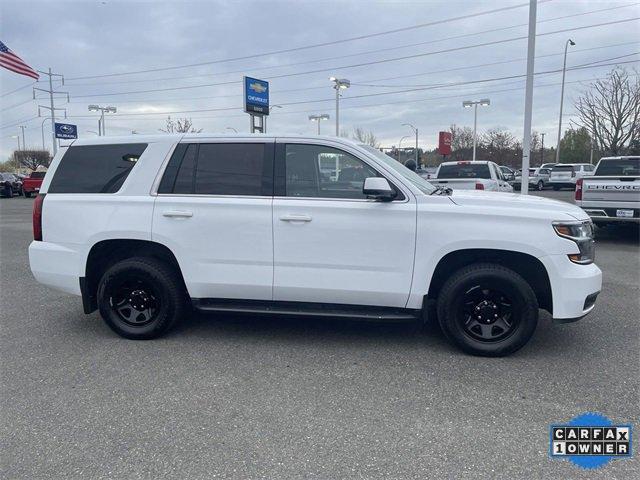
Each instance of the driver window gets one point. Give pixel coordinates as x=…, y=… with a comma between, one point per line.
x=324, y=172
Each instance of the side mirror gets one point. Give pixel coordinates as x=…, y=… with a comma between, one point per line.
x=379, y=189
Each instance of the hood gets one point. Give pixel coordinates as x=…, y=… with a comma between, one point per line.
x=517, y=201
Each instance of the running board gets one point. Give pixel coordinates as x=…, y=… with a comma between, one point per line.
x=307, y=309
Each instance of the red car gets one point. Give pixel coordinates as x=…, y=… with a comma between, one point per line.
x=32, y=183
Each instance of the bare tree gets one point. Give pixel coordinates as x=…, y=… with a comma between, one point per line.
x=368, y=138
x=501, y=146
x=31, y=159
x=182, y=125
x=610, y=111
x=461, y=141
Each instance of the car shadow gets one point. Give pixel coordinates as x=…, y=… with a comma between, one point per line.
x=619, y=234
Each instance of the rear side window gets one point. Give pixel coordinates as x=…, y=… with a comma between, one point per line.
x=220, y=169
x=95, y=168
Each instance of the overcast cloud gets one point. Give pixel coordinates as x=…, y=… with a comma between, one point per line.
x=85, y=38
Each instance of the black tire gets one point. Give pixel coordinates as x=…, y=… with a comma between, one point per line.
x=540, y=186
x=484, y=289
x=141, y=298
x=26, y=194
x=10, y=192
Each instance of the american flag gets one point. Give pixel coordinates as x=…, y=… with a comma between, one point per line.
x=11, y=61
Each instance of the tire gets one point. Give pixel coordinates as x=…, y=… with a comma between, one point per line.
x=141, y=298
x=540, y=185
x=26, y=194
x=483, y=289
x=10, y=192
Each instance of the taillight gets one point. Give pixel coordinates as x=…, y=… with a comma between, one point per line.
x=579, y=189
x=37, y=218
x=479, y=186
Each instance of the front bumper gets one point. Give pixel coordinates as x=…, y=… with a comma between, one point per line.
x=574, y=287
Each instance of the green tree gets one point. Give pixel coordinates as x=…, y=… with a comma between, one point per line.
x=575, y=146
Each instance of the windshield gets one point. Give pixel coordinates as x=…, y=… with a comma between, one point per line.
x=619, y=167
x=464, y=170
x=419, y=182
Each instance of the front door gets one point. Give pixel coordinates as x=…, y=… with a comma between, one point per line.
x=331, y=244
x=213, y=210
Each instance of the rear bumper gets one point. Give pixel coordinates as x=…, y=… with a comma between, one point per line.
x=56, y=266
x=574, y=287
x=561, y=184
x=606, y=215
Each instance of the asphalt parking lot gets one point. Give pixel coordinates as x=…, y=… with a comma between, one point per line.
x=241, y=397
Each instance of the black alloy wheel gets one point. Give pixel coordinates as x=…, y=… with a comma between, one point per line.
x=487, y=309
x=141, y=298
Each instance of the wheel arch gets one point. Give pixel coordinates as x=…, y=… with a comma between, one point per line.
x=526, y=265
x=105, y=253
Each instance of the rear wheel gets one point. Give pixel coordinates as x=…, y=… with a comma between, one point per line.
x=540, y=185
x=487, y=309
x=141, y=298
x=26, y=194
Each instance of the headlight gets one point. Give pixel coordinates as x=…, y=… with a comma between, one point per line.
x=582, y=234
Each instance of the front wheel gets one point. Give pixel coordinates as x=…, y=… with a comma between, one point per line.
x=487, y=309
x=141, y=298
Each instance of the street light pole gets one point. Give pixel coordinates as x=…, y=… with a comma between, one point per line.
x=484, y=102
x=264, y=119
x=542, y=150
x=318, y=118
x=102, y=110
x=24, y=143
x=42, y=130
x=339, y=84
x=564, y=70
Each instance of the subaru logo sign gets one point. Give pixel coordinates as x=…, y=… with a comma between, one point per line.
x=66, y=131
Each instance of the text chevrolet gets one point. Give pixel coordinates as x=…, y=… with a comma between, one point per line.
x=145, y=228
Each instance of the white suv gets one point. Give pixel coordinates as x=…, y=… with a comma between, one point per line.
x=143, y=228
x=566, y=175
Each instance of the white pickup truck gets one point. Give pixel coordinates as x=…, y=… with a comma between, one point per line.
x=471, y=175
x=612, y=194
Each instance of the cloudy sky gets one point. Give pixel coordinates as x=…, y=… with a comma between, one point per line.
x=416, y=75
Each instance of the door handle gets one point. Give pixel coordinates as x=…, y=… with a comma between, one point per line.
x=177, y=213
x=295, y=218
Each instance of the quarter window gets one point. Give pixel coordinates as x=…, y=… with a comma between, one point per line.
x=95, y=168
x=324, y=172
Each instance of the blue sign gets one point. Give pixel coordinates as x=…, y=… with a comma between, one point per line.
x=256, y=96
x=66, y=131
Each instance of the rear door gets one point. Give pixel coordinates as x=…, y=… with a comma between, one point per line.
x=213, y=210
x=331, y=244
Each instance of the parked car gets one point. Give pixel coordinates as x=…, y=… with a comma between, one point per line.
x=32, y=183
x=10, y=185
x=144, y=228
x=471, y=175
x=538, y=178
x=565, y=175
x=508, y=173
x=612, y=194
x=549, y=165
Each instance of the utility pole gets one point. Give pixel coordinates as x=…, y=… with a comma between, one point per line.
x=52, y=108
x=22, y=127
x=542, y=149
x=415, y=130
x=528, y=102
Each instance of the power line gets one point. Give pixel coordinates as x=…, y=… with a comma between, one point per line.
x=470, y=82
x=17, y=89
x=375, y=62
x=323, y=44
x=442, y=39
x=431, y=72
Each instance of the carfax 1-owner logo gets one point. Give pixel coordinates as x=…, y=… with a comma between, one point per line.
x=590, y=440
